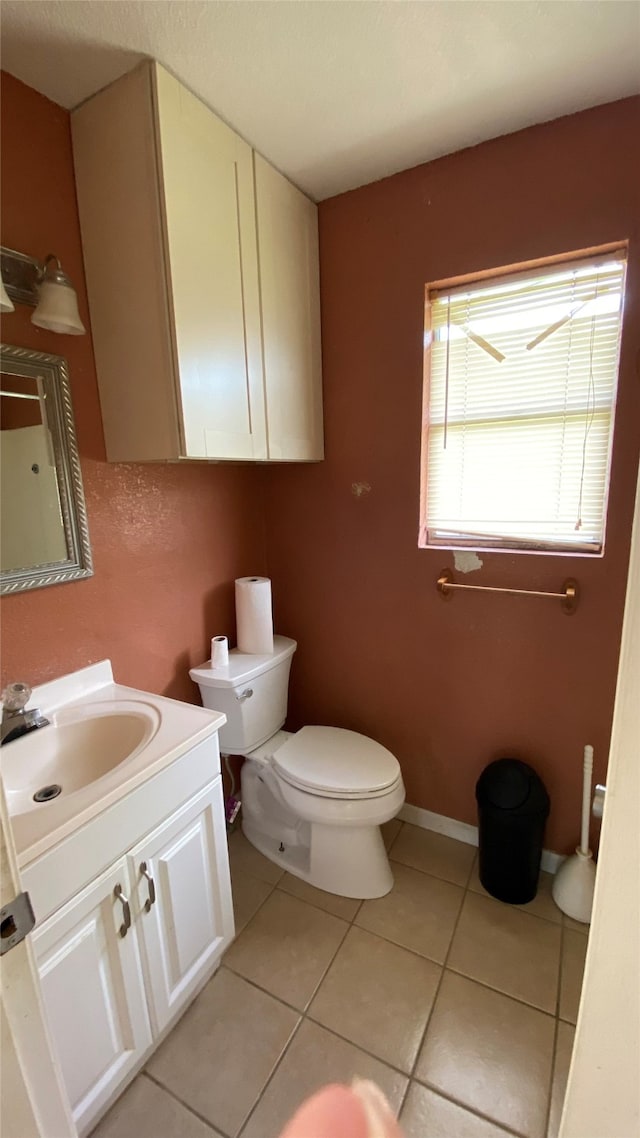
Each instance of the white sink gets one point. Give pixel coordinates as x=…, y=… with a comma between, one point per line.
x=102, y=741
x=79, y=746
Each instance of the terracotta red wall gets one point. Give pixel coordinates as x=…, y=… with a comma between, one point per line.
x=449, y=686
x=167, y=540
x=446, y=686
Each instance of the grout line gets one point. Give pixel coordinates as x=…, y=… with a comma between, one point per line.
x=394, y=839
x=408, y=1075
x=347, y=924
x=316, y=905
x=343, y=1039
x=305, y=1015
x=302, y=901
x=255, y=912
x=358, y=1047
x=276, y=1068
x=201, y=1117
x=514, y=908
x=583, y=930
x=438, y=987
x=476, y=892
x=425, y=873
x=321, y=980
x=466, y=887
x=445, y=969
x=362, y=929
x=554, y=1050
x=422, y=956
x=499, y=992
x=406, y=948
x=470, y=873
x=470, y=1109
x=259, y=987
x=560, y=969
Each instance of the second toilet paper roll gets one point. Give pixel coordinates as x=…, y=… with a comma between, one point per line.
x=254, y=622
x=219, y=652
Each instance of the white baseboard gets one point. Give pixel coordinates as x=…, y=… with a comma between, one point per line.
x=551, y=861
x=462, y=831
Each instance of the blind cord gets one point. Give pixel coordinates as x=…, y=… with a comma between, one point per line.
x=567, y=377
x=589, y=414
x=446, y=375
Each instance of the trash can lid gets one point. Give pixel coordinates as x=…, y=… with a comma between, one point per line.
x=507, y=784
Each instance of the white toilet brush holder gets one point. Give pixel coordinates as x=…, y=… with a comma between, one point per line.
x=574, y=883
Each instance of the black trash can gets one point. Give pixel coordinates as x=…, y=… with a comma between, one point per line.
x=513, y=806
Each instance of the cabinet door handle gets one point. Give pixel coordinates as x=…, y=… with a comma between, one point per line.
x=126, y=910
x=152, y=888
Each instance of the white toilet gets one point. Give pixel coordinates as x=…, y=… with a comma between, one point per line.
x=313, y=802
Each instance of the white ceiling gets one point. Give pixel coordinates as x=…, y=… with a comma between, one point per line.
x=337, y=93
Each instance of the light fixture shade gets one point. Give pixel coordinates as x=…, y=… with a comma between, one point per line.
x=6, y=303
x=57, y=309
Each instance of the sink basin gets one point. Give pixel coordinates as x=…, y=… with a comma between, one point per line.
x=103, y=741
x=79, y=747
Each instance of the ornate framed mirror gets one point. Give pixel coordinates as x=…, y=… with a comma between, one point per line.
x=44, y=537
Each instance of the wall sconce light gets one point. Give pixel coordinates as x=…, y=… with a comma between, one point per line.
x=46, y=287
x=6, y=303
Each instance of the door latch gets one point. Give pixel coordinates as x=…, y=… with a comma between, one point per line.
x=16, y=921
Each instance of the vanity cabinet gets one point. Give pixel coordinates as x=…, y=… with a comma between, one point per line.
x=94, y=993
x=120, y=959
x=203, y=281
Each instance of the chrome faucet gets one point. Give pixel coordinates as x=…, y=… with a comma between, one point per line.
x=15, y=720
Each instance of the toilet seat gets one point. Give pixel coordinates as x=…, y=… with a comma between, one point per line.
x=335, y=763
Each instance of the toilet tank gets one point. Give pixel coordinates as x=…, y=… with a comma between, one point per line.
x=252, y=692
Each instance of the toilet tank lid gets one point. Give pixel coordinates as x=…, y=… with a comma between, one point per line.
x=243, y=666
x=332, y=759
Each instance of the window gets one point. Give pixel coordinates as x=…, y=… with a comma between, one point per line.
x=520, y=384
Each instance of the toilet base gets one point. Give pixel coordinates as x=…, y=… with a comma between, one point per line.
x=346, y=859
x=349, y=863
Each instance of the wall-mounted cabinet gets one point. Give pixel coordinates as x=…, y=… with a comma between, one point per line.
x=203, y=281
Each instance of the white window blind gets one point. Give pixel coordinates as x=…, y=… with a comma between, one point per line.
x=521, y=376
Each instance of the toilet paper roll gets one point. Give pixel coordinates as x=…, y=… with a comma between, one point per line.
x=219, y=652
x=254, y=622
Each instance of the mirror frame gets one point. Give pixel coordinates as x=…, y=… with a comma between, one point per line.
x=53, y=373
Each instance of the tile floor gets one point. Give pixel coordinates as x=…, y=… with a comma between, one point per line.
x=460, y=1008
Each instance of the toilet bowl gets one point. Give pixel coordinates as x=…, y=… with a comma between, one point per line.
x=312, y=801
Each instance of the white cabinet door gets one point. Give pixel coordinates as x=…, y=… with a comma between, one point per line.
x=290, y=305
x=207, y=177
x=93, y=991
x=183, y=902
x=202, y=275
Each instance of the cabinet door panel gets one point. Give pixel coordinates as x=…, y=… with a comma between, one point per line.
x=290, y=304
x=210, y=225
x=93, y=992
x=191, y=921
x=116, y=168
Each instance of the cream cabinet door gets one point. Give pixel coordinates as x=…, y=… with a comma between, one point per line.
x=183, y=901
x=93, y=991
x=213, y=277
x=290, y=305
